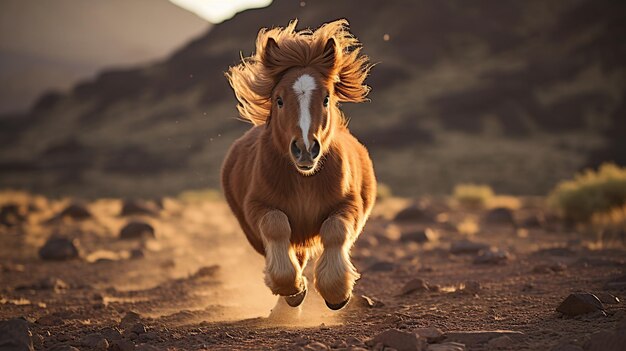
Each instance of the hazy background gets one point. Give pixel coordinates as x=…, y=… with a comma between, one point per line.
x=128, y=98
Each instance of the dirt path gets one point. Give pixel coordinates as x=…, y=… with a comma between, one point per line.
x=198, y=284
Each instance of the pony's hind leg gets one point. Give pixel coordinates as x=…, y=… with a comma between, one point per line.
x=283, y=273
x=334, y=273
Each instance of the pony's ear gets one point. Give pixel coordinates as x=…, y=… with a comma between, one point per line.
x=329, y=58
x=270, y=53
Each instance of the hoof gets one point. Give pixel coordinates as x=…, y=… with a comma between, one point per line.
x=337, y=306
x=296, y=300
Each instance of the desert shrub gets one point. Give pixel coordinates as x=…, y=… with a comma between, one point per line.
x=590, y=192
x=613, y=220
x=473, y=195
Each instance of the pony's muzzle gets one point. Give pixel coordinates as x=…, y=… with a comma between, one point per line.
x=305, y=159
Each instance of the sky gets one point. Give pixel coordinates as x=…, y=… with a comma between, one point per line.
x=216, y=11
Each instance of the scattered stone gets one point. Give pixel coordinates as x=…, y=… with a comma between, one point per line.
x=414, y=213
x=618, y=283
x=137, y=230
x=15, y=335
x=207, y=271
x=111, y=334
x=59, y=248
x=414, y=285
x=363, y=301
x=471, y=287
x=95, y=342
x=549, y=268
x=12, y=215
x=316, y=346
x=419, y=236
x=467, y=247
x=492, y=256
x=446, y=346
x=580, y=303
x=500, y=342
x=122, y=345
x=76, y=211
x=381, y=266
x=607, y=298
x=131, y=207
x=138, y=328
x=473, y=338
x=130, y=319
x=431, y=334
x=49, y=283
x=500, y=215
x=399, y=340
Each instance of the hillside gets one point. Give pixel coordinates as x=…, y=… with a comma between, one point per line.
x=514, y=94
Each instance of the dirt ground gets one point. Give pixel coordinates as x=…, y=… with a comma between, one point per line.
x=198, y=285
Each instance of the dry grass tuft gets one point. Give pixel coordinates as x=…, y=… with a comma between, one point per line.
x=473, y=195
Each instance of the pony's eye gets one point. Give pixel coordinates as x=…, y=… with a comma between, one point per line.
x=326, y=101
x=279, y=101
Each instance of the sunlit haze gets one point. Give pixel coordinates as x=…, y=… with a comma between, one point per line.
x=216, y=11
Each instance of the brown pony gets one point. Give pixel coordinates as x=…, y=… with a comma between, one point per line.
x=298, y=180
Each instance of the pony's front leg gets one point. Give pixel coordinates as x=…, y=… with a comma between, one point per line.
x=334, y=273
x=283, y=273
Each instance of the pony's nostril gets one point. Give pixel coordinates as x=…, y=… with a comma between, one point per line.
x=295, y=150
x=315, y=149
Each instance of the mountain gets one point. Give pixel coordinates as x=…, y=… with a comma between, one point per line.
x=51, y=45
x=514, y=94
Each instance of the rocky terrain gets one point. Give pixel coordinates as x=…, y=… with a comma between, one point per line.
x=177, y=274
x=514, y=94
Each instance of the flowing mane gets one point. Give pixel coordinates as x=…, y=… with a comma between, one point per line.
x=254, y=79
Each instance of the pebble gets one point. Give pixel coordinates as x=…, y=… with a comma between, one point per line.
x=580, y=303
x=446, y=346
x=470, y=287
x=131, y=207
x=414, y=213
x=500, y=215
x=492, y=256
x=474, y=338
x=95, y=342
x=414, y=285
x=419, y=236
x=467, y=247
x=76, y=210
x=399, y=340
x=15, y=335
x=137, y=230
x=50, y=283
x=607, y=298
x=58, y=248
x=431, y=334
x=129, y=320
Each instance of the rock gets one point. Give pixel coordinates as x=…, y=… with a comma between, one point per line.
x=399, y=340
x=470, y=287
x=137, y=230
x=15, y=335
x=414, y=213
x=76, y=210
x=580, y=303
x=549, y=268
x=138, y=328
x=431, y=334
x=467, y=247
x=419, y=236
x=59, y=248
x=122, y=345
x=316, y=346
x=11, y=215
x=111, y=334
x=363, y=301
x=129, y=320
x=491, y=257
x=618, y=283
x=139, y=207
x=95, y=342
x=381, y=266
x=500, y=342
x=414, y=285
x=607, y=298
x=49, y=283
x=474, y=338
x=500, y=215
x=446, y=346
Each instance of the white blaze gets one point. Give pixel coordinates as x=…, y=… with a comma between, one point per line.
x=303, y=88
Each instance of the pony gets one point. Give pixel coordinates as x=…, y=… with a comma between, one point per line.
x=298, y=182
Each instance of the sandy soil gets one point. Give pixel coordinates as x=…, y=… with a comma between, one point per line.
x=199, y=285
